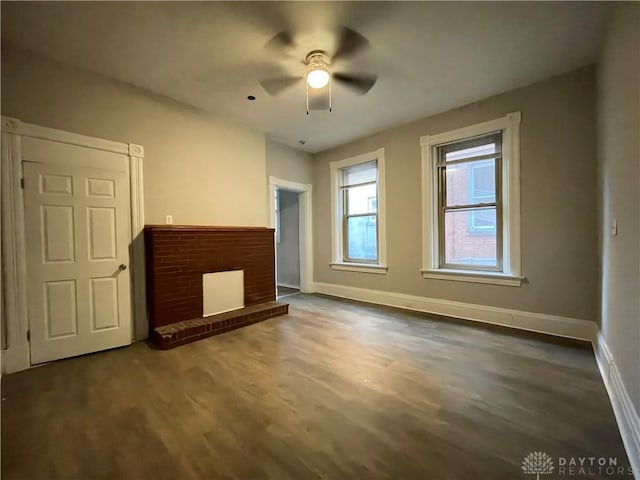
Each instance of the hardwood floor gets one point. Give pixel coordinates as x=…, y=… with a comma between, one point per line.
x=286, y=291
x=334, y=390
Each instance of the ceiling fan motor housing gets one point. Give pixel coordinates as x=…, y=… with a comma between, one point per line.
x=318, y=72
x=319, y=65
x=317, y=56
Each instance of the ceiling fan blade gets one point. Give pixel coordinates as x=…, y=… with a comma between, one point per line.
x=280, y=42
x=360, y=83
x=273, y=86
x=349, y=43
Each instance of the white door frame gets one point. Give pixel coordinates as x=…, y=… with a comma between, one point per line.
x=304, y=191
x=15, y=353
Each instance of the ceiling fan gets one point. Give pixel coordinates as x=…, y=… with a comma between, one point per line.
x=319, y=71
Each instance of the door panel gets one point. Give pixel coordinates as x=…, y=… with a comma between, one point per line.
x=61, y=315
x=104, y=303
x=78, y=234
x=102, y=233
x=57, y=233
x=56, y=184
x=97, y=187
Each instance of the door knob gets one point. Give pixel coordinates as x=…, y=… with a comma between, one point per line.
x=122, y=266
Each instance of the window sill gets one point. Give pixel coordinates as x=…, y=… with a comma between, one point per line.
x=497, y=278
x=359, y=267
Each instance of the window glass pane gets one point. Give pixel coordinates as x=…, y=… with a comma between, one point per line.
x=469, y=183
x=483, y=220
x=361, y=173
x=483, y=182
x=362, y=238
x=362, y=199
x=470, y=237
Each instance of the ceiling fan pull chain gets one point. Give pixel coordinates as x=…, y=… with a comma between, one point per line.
x=329, y=94
x=307, y=88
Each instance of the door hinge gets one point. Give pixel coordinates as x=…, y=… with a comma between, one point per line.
x=28, y=335
x=22, y=183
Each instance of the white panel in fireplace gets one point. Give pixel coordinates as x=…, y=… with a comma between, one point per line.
x=222, y=292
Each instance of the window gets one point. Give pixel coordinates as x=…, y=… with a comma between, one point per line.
x=358, y=197
x=359, y=191
x=471, y=203
x=468, y=203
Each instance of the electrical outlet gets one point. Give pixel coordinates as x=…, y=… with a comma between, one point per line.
x=168, y=219
x=614, y=228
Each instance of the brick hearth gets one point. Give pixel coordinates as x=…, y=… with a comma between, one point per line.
x=178, y=256
x=170, y=336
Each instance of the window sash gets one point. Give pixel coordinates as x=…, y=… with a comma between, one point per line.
x=344, y=189
x=361, y=184
x=443, y=208
x=475, y=141
x=489, y=156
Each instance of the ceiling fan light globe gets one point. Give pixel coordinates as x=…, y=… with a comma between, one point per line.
x=318, y=78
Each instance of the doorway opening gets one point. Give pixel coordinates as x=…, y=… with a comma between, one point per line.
x=290, y=214
x=287, y=212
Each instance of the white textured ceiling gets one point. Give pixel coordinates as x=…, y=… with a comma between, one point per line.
x=430, y=57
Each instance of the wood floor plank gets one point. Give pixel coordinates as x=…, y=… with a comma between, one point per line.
x=334, y=390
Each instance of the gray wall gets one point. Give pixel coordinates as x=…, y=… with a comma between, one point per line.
x=619, y=161
x=288, y=163
x=196, y=166
x=288, y=249
x=559, y=201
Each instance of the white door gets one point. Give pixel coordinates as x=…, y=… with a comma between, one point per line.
x=78, y=234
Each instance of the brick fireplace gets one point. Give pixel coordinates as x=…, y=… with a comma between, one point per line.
x=177, y=259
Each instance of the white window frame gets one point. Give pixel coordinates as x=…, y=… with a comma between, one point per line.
x=337, y=234
x=511, y=274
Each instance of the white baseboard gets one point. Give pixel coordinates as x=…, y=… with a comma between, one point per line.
x=534, y=322
x=626, y=414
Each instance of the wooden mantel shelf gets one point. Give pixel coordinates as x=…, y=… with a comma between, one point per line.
x=200, y=228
